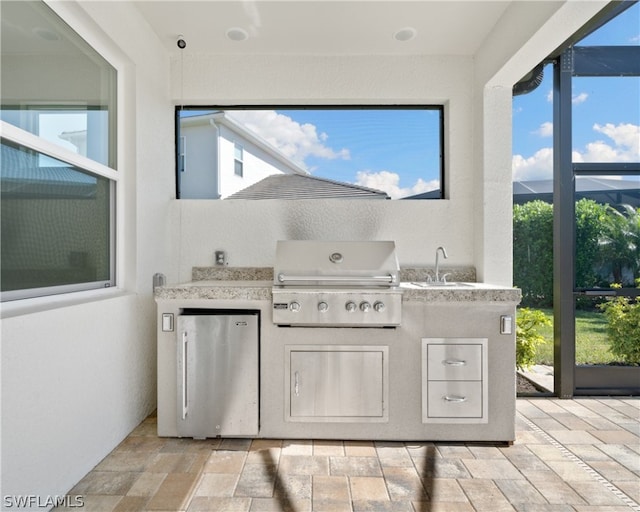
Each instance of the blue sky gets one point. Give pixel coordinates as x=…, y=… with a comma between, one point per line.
x=606, y=111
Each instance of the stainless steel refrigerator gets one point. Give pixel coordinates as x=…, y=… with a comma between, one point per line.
x=217, y=374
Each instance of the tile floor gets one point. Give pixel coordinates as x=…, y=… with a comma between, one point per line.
x=570, y=455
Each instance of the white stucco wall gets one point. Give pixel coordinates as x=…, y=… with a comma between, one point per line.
x=79, y=371
x=79, y=374
x=248, y=230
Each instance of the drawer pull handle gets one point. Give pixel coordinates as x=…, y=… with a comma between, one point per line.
x=454, y=398
x=454, y=362
x=297, y=384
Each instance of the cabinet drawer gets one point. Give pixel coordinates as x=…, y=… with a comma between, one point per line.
x=454, y=361
x=454, y=399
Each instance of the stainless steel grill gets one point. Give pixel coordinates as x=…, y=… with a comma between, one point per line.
x=341, y=284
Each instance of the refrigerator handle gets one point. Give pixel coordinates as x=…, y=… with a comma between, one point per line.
x=184, y=376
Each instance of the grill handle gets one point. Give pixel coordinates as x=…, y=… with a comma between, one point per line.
x=388, y=278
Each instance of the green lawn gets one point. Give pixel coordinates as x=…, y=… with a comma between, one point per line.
x=592, y=344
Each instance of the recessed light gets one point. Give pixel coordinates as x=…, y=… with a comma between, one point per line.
x=237, y=34
x=405, y=34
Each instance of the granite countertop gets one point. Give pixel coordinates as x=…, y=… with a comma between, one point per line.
x=256, y=284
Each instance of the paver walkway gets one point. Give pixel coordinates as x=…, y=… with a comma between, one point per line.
x=570, y=455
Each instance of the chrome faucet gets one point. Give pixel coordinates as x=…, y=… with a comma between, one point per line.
x=444, y=253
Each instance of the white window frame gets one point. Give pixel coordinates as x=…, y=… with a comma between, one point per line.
x=16, y=135
x=123, y=183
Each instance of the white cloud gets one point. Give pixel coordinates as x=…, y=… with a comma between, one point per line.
x=579, y=98
x=390, y=183
x=536, y=167
x=550, y=96
x=545, y=130
x=626, y=137
x=297, y=141
x=625, y=147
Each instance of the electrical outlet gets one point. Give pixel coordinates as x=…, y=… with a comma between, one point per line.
x=221, y=258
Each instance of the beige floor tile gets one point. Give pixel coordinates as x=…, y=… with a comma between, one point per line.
x=105, y=482
x=444, y=507
x=445, y=490
x=334, y=488
x=614, y=471
x=331, y=506
x=293, y=487
x=627, y=455
x=264, y=451
x=147, y=484
x=354, y=466
x=455, y=451
x=304, y=465
x=559, y=493
x=132, y=504
x=616, y=437
x=404, y=484
x=174, y=492
x=493, y=469
x=213, y=504
x=385, y=506
x=596, y=494
x=484, y=495
x=280, y=505
x=297, y=447
x=256, y=480
x=225, y=462
x=359, y=449
x=519, y=492
x=327, y=448
x=569, y=471
x=486, y=452
x=368, y=489
x=600, y=508
x=218, y=485
x=94, y=503
x=120, y=460
x=573, y=436
x=393, y=454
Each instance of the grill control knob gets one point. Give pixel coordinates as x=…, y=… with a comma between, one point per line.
x=379, y=306
x=323, y=306
x=294, y=306
x=350, y=306
x=365, y=306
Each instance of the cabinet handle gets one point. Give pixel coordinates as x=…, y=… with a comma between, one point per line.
x=185, y=400
x=296, y=388
x=454, y=398
x=454, y=362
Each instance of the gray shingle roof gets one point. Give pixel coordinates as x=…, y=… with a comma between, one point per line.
x=295, y=186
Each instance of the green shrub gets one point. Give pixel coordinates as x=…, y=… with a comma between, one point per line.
x=527, y=336
x=533, y=252
x=623, y=327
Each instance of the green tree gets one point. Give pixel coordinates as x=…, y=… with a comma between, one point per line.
x=620, y=243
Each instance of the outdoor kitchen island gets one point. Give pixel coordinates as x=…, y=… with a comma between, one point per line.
x=446, y=372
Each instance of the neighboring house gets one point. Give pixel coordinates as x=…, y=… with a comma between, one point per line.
x=296, y=186
x=219, y=157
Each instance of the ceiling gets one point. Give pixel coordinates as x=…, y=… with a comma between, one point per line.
x=357, y=27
